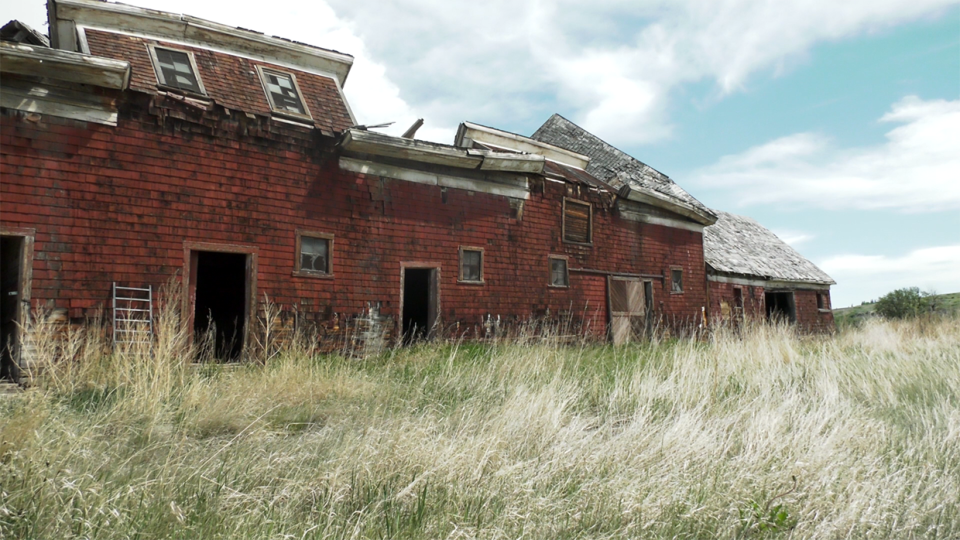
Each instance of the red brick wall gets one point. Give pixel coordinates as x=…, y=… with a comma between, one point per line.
x=118, y=203
x=231, y=81
x=809, y=317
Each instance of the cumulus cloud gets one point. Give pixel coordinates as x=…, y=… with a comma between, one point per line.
x=794, y=238
x=865, y=277
x=609, y=65
x=915, y=170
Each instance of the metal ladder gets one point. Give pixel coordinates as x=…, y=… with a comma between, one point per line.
x=132, y=314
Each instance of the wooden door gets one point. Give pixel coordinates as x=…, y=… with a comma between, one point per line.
x=627, y=309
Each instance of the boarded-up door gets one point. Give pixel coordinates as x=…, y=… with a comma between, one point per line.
x=627, y=309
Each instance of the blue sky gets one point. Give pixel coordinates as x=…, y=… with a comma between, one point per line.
x=836, y=125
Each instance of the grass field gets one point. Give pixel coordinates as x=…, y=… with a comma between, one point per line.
x=944, y=303
x=762, y=436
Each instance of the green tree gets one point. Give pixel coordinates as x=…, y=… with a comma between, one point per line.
x=902, y=303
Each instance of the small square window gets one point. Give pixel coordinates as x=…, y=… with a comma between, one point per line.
x=315, y=252
x=676, y=280
x=471, y=264
x=283, y=93
x=559, y=273
x=176, y=69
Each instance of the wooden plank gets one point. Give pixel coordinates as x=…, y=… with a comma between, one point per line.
x=36, y=61
x=77, y=111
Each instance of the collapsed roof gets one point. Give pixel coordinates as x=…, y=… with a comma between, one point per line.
x=739, y=245
x=618, y=168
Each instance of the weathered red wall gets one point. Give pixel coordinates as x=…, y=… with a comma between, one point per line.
x=809, y=317
x=118, y=203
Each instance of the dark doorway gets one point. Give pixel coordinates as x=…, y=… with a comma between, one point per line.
x=780, y=307
x=648, y=306
x=419, y=303
x=221, y=302
x=737, y=305
x=11, y=256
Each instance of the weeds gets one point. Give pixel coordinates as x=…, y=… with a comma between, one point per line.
x=535, y=439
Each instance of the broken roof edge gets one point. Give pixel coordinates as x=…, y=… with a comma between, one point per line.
x=655, y=198
x=19, y=32
x=65, y=15
x=379, y=144
x=764, y=281
x=40, y=61
x=517, y=143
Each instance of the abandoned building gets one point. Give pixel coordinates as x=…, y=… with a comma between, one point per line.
x=140, y=146
x=753, y=274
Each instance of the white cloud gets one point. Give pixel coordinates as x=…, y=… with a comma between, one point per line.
x=794, y=238
x=610, y=65
x=867, y=277
x=916, y=169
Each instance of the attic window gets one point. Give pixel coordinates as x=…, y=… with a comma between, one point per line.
x=315, y=254
x=577, y=221
x=176, y=69
x=283, y=93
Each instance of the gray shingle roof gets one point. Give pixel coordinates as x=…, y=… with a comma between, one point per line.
x=739, y=245
x=612, y=165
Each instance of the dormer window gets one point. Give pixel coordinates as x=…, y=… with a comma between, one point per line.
x=176, y=69
x=283, y=93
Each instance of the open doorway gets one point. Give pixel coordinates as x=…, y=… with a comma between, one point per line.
x=221, y=291
x=11, y=294
x=780, y=307
x=420, y=301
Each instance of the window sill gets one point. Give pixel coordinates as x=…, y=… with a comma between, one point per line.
x=299, y=118
x=185, y=93
x=558, y=286
x=821, y=310
x=676, y=292
x=302, y=273
x=585, y=244
x=470, y=282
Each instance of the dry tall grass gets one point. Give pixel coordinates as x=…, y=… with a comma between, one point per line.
x=761, y=435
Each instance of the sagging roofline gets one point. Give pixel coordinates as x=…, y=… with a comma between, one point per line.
x=768, y=282
x=66, y=16
x=39, y=61
x=469, y=131
x=377, y=144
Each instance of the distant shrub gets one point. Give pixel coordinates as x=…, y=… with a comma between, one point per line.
x=903, y=303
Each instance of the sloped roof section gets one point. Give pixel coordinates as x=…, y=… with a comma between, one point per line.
x=739, y=245
x=614, y=166
x=18, y=32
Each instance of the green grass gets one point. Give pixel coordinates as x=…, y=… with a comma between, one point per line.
x=765, y=435
x=948, y=304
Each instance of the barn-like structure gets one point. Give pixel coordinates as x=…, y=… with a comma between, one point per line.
x=140, y=147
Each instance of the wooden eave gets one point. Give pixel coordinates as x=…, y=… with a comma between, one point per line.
x=358, y=141
x=468, y=132
x=66, y=15
x=43, y=62
x=667, y=203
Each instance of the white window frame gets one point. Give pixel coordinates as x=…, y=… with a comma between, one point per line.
x=261, y=71
x=161, y=81
x=297, y=269
x=464, y=249
x=566, y=267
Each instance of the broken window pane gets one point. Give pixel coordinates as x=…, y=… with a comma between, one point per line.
x=283, y=92
x=558, y=273
x=470, y=261
x=176, y=70
x=676, y=281
x=314, y=255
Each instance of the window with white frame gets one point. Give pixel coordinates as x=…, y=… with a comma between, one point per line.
x=176, y=69
x=283, y=93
